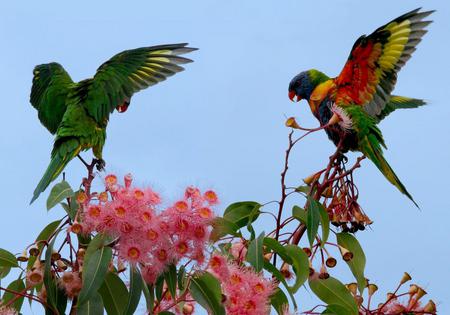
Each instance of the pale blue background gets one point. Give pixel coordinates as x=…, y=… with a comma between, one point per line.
x=220, y=124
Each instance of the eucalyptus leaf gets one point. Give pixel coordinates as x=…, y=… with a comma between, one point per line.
x=242, y=213
x=134, y=296
x=93, y=306
x=255, y=254
x=358, y=263
x=17, y=286
x=300, y=264
x=58, y=193
x=7, y=259
x=205, y=289
x=313, y=219
x=114, y=294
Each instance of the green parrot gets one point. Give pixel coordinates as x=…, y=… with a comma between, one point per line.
x=350, y=106
x=78, y=113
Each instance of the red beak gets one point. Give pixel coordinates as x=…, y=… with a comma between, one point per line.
x=293, y=96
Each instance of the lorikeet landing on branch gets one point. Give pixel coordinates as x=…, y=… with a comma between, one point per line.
x=78, y=113
x=350, y=106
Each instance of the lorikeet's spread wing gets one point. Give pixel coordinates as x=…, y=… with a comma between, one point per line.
x=51, y=84
x=370, y=74
x=399, y=102
x=127, y=73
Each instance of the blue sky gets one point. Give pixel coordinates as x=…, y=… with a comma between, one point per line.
x=220, y=124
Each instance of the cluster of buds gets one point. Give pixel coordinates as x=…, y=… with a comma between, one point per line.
x=181, y=305
x=70, y=282
x=395, y=303
x=245, y=291
x=153, y=239
x=344, y=210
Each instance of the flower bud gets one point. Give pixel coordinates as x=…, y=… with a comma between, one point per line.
x=76, y=227
x=352, y=287
x=61, y=265
x=285, y=271
x=331, y=262
x=430, y=307
x=292, y=123
x=372, y=288
x=390, y=296
x=406, y=277
x=82, y=197
x=188, y=309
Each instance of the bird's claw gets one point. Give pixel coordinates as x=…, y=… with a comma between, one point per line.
x=100, y=164
x=341, y=158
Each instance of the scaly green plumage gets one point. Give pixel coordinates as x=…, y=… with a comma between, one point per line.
x=79, y=112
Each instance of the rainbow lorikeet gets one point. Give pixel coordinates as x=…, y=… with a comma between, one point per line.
x=78, y=113
x=350, y=105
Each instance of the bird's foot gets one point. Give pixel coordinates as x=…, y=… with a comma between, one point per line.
x=100, y=164
x=341, y=158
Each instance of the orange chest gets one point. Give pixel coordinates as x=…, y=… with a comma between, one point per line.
x=322, y=91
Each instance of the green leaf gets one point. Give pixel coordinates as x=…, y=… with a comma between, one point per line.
x=49, y=281
x=7, y=259
x=300, y=264
x=276, y=247
x=17, y=286
x=95, y=267
x=358, y=263
x=72, y=207
x=92, y=306
x=222, y=227
x=324, y=222
x=335, y=310
x=242, y=213
x=279, y=301
x=333, y=292
x=159, y=285
x=303, y=189
x=136, y=285
x=43, y=236
x=4, y=271
x=170, y=275
x=312, y=220
x=181, y=279
x=114, y=294
x=300, y=214
x=205, y=289
x=255, y=254
x=149, y=294
x=58, y=193
x=277, y=274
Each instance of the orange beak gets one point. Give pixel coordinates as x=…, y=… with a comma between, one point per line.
x=294, y=97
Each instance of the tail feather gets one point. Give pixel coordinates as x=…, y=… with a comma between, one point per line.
x=61, y=155
x=371, y=148
x=401, y=102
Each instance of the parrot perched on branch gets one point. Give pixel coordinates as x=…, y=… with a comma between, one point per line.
x=350, y=106
x=78, y=113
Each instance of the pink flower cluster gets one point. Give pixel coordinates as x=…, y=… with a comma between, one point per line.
x=70, y=282
x=246, y=292
x=151, y=239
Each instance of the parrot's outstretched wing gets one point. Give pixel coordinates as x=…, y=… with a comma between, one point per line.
x=370, y=74
x=127, y=73
x=51, y=84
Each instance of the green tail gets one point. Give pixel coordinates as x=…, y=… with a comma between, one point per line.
x=61, y=155
x=371, y=148
x=397, y=102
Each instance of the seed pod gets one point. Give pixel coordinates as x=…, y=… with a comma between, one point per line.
x=413, y=289
x=307, y=251
x=323, y=273
x=406, y=277
x=352, y=287
x=34, y=250
x=23, y=257
x=372, y=288
x=331, y=262
x=327, y=192
x=292, y=123
x=55, y=256
x=430, y=307
x=346, y=254
x=311, y=178
x=420, y=293
x=359, y=300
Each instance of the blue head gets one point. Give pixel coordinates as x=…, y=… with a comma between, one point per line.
x=304, y=83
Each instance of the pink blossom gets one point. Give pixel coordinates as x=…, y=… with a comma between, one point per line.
x=70, y=281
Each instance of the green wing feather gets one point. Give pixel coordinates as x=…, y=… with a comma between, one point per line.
x=61, y=155
x=397, y=102
x=51, y=84
x=127, y=73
